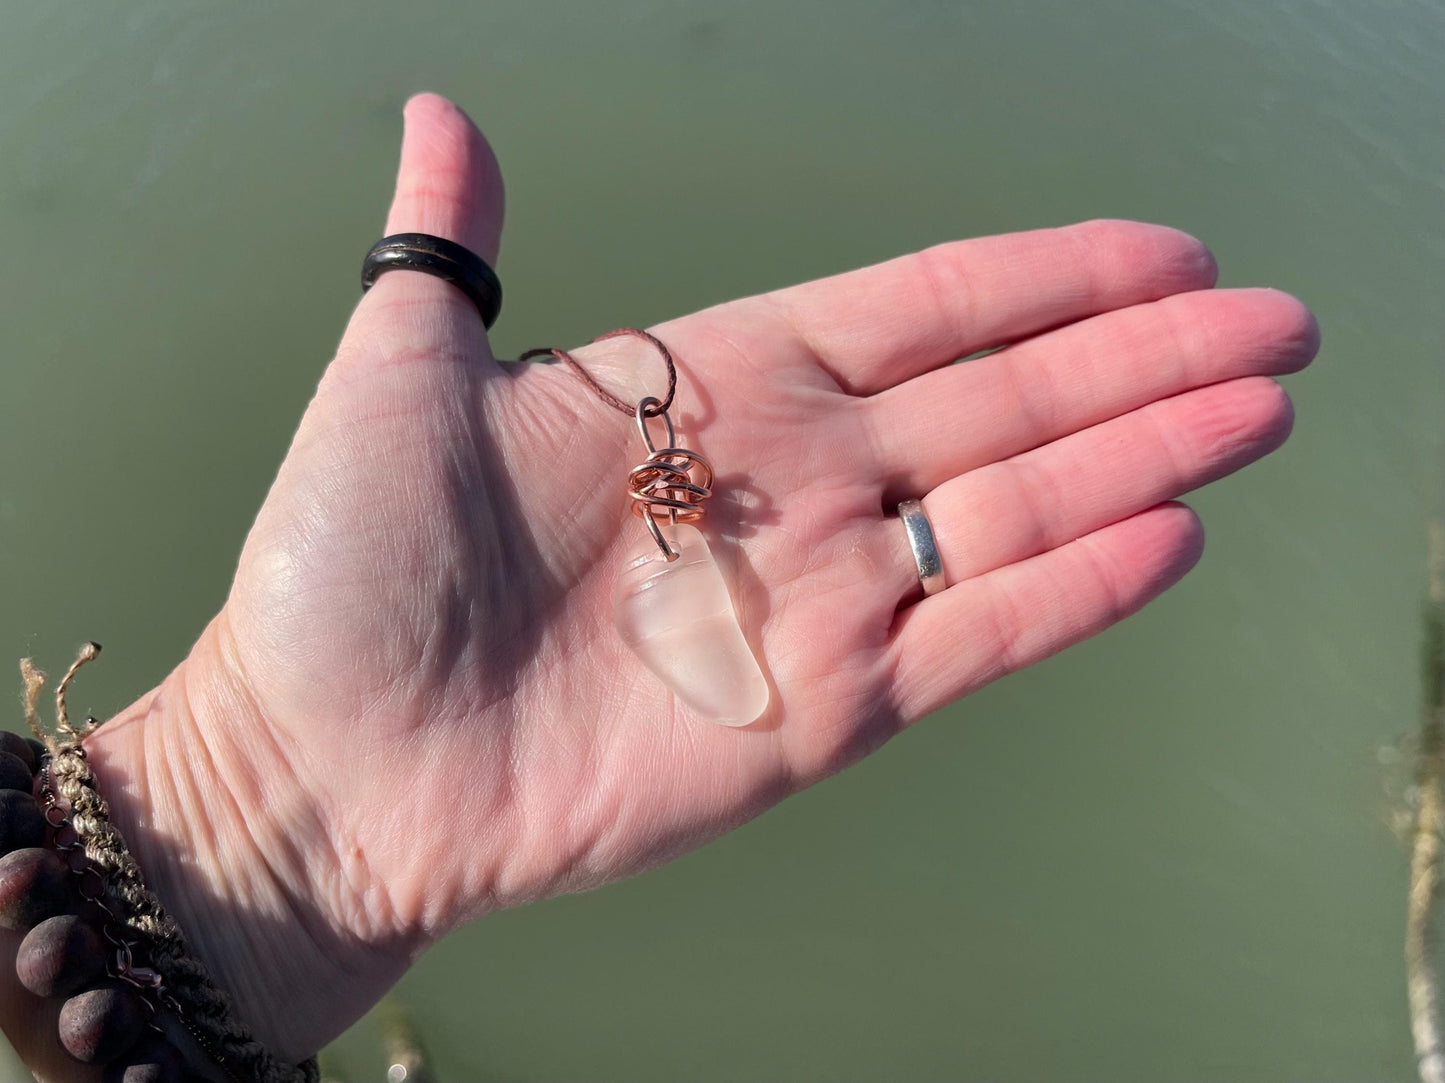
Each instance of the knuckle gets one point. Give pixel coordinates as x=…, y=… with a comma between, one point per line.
x=1101, y=568
x=943, y=273
x=1003, y=629
x=1183, y=324
x=1036, y=493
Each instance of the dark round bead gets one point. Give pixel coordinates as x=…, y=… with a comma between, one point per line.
x=100, y=1024
x=38, y=750
x=59, y=956
x=34, y=885
x=21, y=822
x=14, y=775
x=20, y=748
x=154, y=1060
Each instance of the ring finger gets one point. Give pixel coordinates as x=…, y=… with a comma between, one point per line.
x=1017, y=508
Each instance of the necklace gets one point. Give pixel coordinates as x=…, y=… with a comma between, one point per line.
x=671, y=604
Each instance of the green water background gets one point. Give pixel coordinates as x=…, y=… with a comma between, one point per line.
x=1167, y=854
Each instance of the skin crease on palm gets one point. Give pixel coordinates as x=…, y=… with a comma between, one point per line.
x=413, y=708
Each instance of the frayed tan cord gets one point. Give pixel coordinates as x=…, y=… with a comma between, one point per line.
x=34, y=682
x=63, y=727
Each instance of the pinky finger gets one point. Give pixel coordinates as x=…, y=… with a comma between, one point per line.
x=979, y=630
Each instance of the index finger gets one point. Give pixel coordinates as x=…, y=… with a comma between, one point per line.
x=878, y=326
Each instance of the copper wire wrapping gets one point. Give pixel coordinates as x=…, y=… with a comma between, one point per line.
x=671, y=484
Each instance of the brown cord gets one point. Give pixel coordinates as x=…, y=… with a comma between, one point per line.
x=606, y=396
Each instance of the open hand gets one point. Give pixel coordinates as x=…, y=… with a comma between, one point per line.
x=413, y=708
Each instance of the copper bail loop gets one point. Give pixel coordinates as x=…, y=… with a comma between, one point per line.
x=671, y=484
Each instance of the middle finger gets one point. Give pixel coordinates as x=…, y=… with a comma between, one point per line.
x=952, y=420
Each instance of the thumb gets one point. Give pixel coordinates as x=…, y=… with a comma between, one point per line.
x=448, y=184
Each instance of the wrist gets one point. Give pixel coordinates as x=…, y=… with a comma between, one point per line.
x=245, y=857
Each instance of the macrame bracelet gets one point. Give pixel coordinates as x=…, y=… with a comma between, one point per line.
x=95, y=935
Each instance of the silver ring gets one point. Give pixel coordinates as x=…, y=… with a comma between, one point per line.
x=925, y=549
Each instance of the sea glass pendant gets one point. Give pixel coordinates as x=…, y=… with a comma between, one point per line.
x=678, y=617
x=671, y=603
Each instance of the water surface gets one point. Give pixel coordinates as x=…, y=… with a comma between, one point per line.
x=1164, y=855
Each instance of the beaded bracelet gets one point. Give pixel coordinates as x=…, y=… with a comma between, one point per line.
x=94, y=935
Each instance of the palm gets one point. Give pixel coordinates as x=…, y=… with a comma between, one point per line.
x=486, y=517
x=414, y=707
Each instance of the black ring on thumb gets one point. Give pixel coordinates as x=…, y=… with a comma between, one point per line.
x=437, y=256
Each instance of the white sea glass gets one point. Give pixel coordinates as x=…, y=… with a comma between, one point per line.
x=678, y=617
